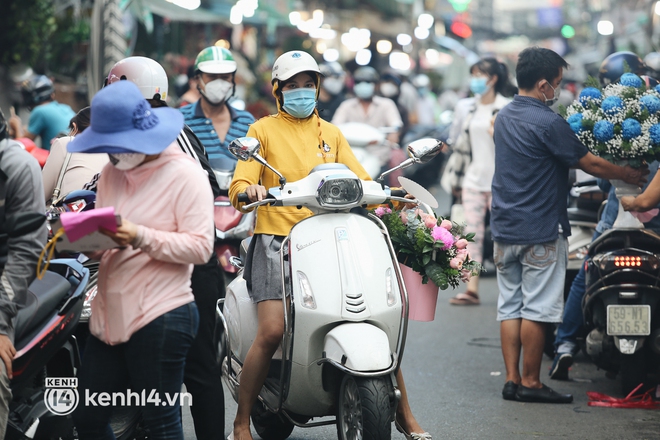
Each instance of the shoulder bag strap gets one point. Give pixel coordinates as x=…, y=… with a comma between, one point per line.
x=60, y=178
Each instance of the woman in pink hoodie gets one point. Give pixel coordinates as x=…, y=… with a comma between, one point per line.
x=144, y=317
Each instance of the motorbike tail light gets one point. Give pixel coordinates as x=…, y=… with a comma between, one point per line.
x=308, y=300
x=391, y=299
x=628, y=261
x=339, y=192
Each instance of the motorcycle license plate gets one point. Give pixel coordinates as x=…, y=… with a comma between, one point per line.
x=628, y=320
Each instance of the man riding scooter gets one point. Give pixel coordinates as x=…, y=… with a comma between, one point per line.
x=21, y=190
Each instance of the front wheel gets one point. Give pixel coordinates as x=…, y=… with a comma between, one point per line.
x=365, y=408
x=632, y=370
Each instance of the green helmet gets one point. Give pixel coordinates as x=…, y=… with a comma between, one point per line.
x=215, y=59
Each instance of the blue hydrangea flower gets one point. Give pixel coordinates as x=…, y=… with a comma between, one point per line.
x=650, y=102
x=603, y=131
x=590, y=93
x=612, y=105
x=657, y=88
x=630, y=128
x=575, y=121
x=631, y=80
x=654, y=133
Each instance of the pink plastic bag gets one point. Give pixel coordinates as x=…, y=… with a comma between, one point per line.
x=645, y=216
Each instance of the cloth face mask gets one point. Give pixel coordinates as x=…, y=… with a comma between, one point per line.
x=388, y=89
x=551, y=102
x=218, y=91
x=299, y=103
x=364, y=90
x=126, y=161
x=333, y=85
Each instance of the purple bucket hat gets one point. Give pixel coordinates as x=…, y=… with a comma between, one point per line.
x=122, y=121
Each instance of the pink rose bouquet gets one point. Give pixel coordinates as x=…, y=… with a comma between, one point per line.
x=433, y=247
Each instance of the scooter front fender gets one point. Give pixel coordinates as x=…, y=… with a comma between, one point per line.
x=359, y=347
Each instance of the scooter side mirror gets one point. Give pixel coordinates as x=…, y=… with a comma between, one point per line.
x=423, y=150
x=244, y=148
x=23, y=223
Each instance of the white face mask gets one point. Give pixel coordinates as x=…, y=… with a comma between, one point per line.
x=388, y=89
x=333, y=85
x=126, y=161
x=217, y=91
x=555, y=98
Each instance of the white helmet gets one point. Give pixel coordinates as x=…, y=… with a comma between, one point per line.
x=147, y=74
x=292, y=63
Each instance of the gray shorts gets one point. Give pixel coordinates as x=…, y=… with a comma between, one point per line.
x=531, y=280
x=263, y=273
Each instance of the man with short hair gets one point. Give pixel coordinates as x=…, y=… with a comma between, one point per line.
x=534, y=149
x=21, y=191
x=214, y=121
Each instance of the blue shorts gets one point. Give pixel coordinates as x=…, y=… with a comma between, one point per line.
x=531, y=280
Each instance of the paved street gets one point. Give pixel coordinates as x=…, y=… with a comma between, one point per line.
x=454, y=372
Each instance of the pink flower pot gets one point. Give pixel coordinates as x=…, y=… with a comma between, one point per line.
x=422, y=298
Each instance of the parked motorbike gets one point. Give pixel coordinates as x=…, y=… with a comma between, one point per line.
x=621, y=304
x=346, y=322
x=369, y=144
x=231, y=226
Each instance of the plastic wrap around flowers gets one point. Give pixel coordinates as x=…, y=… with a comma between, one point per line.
x=619, y=122
x=435, y=248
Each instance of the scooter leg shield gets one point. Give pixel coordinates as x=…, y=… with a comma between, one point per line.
x=359, y=347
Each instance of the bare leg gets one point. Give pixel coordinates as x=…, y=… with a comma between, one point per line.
x=532, y=336
x=473, y=285
x=510, y=336
x=404, y=414
x=255, y=368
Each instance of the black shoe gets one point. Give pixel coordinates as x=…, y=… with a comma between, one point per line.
x=541, y=395
x=509, y=390
x=560, y=366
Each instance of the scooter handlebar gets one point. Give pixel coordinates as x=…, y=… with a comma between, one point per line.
x=399, y=192
x=243, y=198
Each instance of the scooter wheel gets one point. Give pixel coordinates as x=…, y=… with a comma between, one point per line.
x=365, y=408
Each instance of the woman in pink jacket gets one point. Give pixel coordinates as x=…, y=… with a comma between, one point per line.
x=144, y=317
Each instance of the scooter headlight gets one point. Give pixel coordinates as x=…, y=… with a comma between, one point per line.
x=307, y=297
x=339, y=191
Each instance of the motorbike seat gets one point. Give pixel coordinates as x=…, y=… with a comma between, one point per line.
x=43, y=299
x=582, y=215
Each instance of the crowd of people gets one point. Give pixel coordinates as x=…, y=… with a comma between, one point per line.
x=153, y=322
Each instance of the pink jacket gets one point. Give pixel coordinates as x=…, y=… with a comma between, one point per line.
x=171, y=201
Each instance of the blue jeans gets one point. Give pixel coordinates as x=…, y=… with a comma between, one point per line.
x=573, y=319
x=152, y=359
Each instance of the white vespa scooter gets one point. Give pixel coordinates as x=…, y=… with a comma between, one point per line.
x=346, y=321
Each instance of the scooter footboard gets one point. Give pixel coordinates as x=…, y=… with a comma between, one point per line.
x=362, y=356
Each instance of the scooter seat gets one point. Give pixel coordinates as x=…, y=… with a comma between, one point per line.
x=43, y=298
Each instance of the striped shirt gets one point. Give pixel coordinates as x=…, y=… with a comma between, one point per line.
x=203, y=128
x=534, y=149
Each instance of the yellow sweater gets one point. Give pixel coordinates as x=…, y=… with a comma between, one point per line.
x=291, y=146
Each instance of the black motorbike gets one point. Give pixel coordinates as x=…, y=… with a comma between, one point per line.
x=621, y=304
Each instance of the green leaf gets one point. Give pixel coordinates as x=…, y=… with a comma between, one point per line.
x=592, y=82
x=437, y=275
x=426, y=259
x=470, y=236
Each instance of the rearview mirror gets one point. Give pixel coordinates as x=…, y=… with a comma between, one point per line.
x=244, y=148
x=423, y=150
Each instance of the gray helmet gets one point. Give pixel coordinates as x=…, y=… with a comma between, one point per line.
x=331, y=69
x=366, y=74
x=36, y=90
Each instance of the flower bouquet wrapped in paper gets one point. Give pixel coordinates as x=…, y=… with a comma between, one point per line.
x=434, y=247
x=620, y=122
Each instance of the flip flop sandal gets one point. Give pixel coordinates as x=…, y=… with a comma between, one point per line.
x=465, y=299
